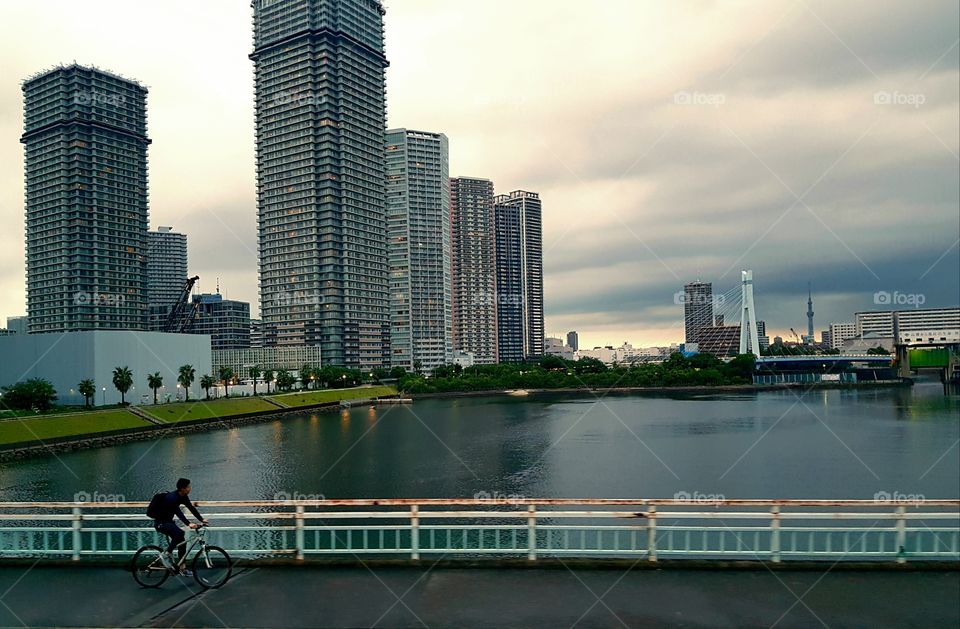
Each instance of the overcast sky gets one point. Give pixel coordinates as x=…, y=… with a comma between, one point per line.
x=809, y=140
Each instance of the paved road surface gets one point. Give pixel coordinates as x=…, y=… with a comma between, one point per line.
x=313, y=596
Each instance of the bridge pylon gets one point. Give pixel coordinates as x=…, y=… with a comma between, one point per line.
x=749, y=341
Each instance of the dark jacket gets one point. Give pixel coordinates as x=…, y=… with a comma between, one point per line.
x=171, y=507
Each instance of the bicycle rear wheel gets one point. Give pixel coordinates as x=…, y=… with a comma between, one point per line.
x=148, y=569
x=212, y=567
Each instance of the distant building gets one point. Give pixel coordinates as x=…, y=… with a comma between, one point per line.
x=17, y=325
x=868, y=341
x=225, y=320
x=85, y=140
x=518, y=218
x=762, y=338
x=166, y=266
x=719, y=340
x=931, y=325
x=778, y=340
x=838, y=334
x=555, y=347
x=256, y=333
x=697, y=309
x=474, y=274
x=418, y=249
x=463, y=359
x=573, y=340
x=289, y=357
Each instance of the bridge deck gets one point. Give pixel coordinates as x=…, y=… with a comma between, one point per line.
x=314, y=596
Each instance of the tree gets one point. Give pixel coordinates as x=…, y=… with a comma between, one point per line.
x=207, y=383
x=255, y=373
x=154, y=381
x=417, y=366
x=33, y=394
x=878, y=351
x=122, y=380
x=186, y=377
x=306, y=375
x=285, y=380
x=398, y=373
x=226, y=375
x=268, y=378
x=87, y=389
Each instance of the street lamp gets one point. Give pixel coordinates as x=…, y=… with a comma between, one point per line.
x=104, y=396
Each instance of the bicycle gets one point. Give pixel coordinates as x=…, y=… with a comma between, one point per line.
x=211, y=566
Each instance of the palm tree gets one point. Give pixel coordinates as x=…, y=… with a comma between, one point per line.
x=87, y=389
x=207, y=383
x=284, y=380
x=154, y=381
x=226, y=375
x=306, y=375
x=122, y=380
x=268, y=377
x=186, y=377
x=255, y=373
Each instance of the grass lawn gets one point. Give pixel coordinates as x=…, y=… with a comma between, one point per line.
x=324, y=396
x=54, y=427
x=203, y=409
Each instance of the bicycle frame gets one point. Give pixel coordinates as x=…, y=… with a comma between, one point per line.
x=198, y=539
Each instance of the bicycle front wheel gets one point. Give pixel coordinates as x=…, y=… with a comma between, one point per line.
x=148, y=569
x=212, y=567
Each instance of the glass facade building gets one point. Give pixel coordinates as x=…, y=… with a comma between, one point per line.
x=85, y=141
x=320, y=121
x=225, y=320
x=473, y=265
x=519, y=262
x=418, y=231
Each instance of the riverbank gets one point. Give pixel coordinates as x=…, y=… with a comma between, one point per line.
x=50, y=434
x=682, y=390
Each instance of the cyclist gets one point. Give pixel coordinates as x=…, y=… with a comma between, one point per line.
x=168, y=507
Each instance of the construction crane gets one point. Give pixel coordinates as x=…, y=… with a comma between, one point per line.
x=182, y=312
x=796, y=336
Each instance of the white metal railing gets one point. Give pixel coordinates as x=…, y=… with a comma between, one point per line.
x=768, y=530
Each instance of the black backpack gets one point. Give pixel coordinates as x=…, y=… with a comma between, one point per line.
x=155, y=508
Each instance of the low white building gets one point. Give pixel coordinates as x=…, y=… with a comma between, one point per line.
x=556, y=347
x=67, y=358
x=276, y=357
x=840, y=332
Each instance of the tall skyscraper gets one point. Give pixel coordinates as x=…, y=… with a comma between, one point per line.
x=472, y=243
x=418, y=232
x=166, y=266
x=573, y=340
x=519, y=256
x=320, y=111
x=809, y=314
x=697, y=309
x=85, y=139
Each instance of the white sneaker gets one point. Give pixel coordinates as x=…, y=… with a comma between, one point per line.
x=166, y=560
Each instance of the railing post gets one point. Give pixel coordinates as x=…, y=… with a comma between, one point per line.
x=775, y=533
x=901, y=534
x=414, y=532
x=531, y=532
x=76, y=533
x=298, y=517
x=652, y=533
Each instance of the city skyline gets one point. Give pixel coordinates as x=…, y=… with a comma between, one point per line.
x=611, y=273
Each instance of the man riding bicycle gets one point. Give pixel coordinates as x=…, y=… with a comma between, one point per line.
x=168, y=506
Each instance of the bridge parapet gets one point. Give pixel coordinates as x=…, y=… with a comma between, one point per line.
x=690, y=527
